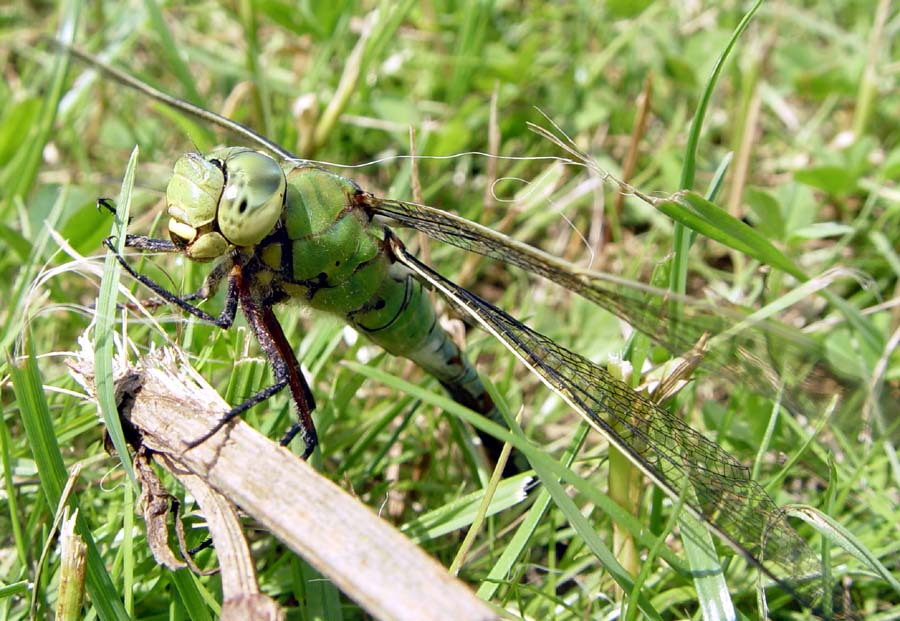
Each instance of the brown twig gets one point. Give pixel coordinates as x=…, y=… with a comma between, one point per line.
x=343, y=539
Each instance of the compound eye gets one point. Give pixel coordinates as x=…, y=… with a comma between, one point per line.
x=252, y=199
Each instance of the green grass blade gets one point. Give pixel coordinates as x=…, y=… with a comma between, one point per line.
x=526, y=530
x=21, y=175
x=128, y=540
x=469, y=46
x=105, y=322
x=547, y=469
x=710, y=220
x=11, y=494
x=681, y=238
x=174, y=61
x=518, y=440
x=461, y=512
x=191, y=597
x=839, y=534
x=15, y=589
x=690, y=151
x=706, y=218
x=322, y=598
x=35, y=416
x=709, y=579
x=261, y=93
x=17, y=299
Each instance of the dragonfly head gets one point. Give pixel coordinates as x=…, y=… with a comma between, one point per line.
x=233, y=197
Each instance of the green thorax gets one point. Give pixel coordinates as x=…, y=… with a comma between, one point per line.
x=326, y=254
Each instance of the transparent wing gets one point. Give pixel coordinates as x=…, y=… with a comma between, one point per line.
x=741, y=347
x=674, y=456
x=745, y=357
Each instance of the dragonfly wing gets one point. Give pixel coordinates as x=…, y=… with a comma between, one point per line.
x=718, y=489
x=740, y=347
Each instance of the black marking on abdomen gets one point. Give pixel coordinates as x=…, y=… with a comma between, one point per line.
x=287, y=258
x=407, y=296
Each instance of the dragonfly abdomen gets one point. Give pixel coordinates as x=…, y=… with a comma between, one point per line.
x=401, y=319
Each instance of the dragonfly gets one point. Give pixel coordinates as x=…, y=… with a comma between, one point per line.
x=280, y=229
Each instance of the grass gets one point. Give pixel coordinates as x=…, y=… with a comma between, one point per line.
x=804, y=103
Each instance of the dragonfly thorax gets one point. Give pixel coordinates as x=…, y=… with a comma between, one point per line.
x=231, y=198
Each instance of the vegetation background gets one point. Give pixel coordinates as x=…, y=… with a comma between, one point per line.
x=806, y=106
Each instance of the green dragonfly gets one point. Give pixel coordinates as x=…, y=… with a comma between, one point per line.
x=281, y=229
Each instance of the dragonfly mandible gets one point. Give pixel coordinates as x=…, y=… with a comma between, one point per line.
x=283, y=229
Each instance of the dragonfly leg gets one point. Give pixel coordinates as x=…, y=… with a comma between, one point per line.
x=264, y=325
x=208, y=290
x=141, y=242
x=285, y=367
x=239, y=409
x=295, y=430
x=223, y=320
x=147, y=244
x=285, y=364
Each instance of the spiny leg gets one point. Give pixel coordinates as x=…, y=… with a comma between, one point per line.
x=224, y=320
x=300, y=391
x=141, y=242
x=262, y=321
x=206, y=291
x=239, y=409
x=285, y=368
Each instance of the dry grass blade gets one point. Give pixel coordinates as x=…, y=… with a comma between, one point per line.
x=366, y=558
